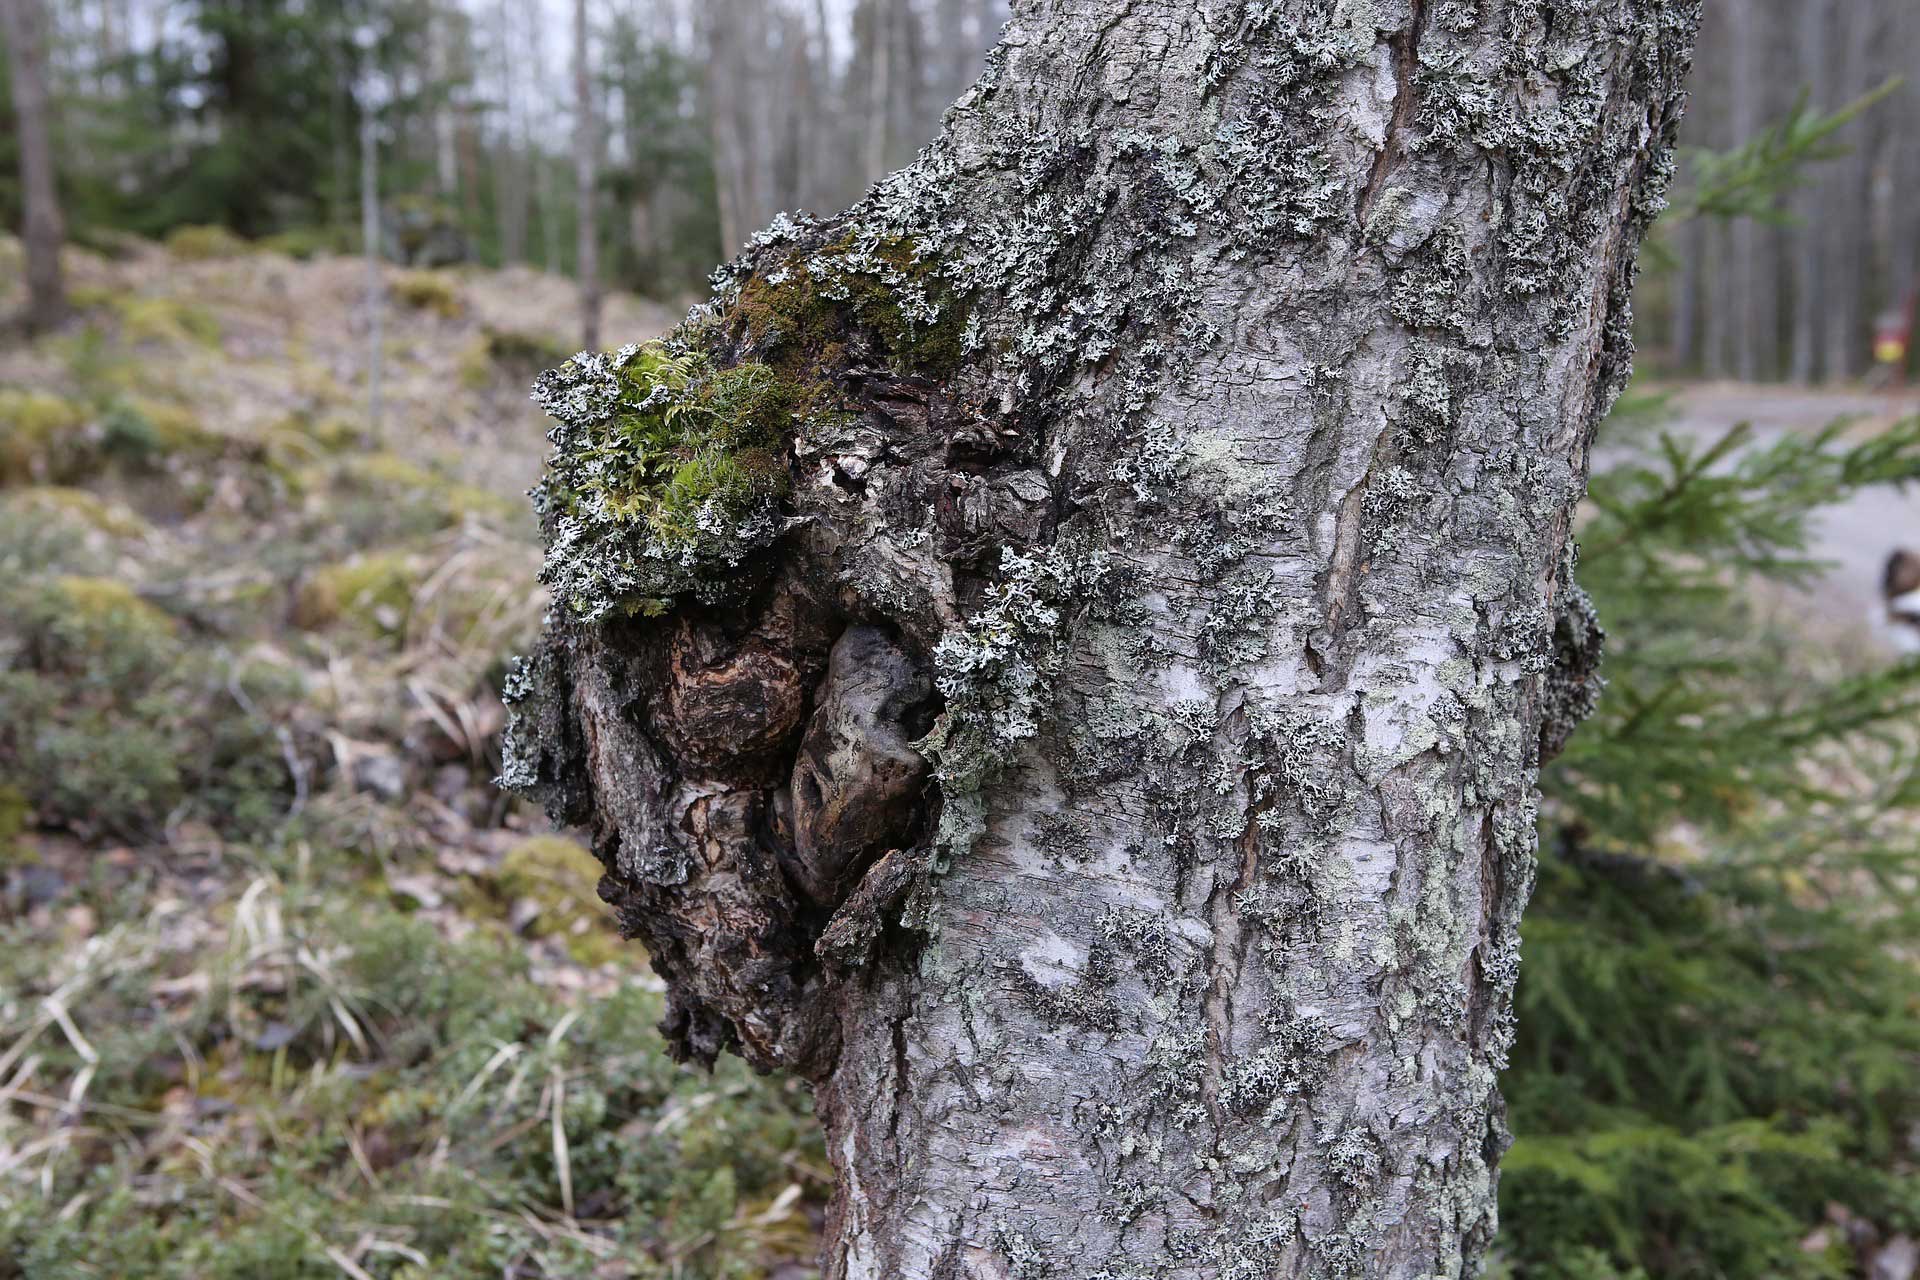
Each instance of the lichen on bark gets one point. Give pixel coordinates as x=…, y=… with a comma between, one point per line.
x=1099, y=752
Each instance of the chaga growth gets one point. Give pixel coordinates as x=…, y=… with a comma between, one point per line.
x=758, y=530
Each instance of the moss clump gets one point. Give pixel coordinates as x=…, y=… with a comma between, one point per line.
x=562, y=880
x=429, y=291
x=881, y=285
x=205, y=244
x=36, y=428
x=374, y=592
x=667, y=473
x=166, y=320
x=93, y=617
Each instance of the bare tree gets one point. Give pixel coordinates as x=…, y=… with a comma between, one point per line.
x=586, y=170
x=44, y=229
x=511, y=182
x=1107, y=773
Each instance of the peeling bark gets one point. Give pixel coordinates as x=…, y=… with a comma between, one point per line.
x=1108, y=775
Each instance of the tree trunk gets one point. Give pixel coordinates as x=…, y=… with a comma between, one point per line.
x=1094, y=737
x=440, y=81
x=512, y=181
x=586, y=153
x=1848, y=227
x=43, y=229
x=1810, y=244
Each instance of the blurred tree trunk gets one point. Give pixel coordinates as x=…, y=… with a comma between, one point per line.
x=1847, y=223
x=511, y=183
x=881, y=17
x=43, y=229
x=586, y=170
x=1114, y=787
x=1745, y=118
x=1815, y=22
x=446, y=154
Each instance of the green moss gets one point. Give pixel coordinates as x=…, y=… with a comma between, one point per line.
x=374, y=592
x=562, y=879
x=667, y=473
x=166, y=320
x=509, y=353
x=429, y=291
x=303, y=242
x=36, y=428
x=110, y=721
x=205, y=243
x=98, y=612
x=882, y=286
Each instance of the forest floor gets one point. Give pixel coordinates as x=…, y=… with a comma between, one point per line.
x=286, y=988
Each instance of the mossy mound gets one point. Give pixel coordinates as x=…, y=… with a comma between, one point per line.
x=36, y=429
x=429, y=291
x=205, y=243
x=510, y=354
x=372, y=592
x=667, y=472
x=431, y=500
x=166, y=320
x=561, y=879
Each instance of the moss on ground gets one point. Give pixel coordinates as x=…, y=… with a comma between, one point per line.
x=373, y=592
x=561, y=879
x=205, y=243
x=431, y=291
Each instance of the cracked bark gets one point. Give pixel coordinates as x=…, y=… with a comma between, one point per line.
x=1183, y=943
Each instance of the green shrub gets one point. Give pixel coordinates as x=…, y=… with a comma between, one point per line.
x=1717, y=1030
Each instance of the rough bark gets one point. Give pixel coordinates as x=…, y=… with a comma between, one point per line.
x=24, y=25
x=1177, y=460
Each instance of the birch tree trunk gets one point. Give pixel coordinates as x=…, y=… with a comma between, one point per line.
x=1088, y=723
x=24, y=25
x=586, y=172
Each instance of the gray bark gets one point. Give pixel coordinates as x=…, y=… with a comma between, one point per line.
x=24, y=25
x=1214, y=590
